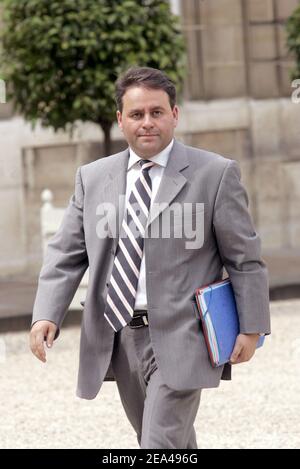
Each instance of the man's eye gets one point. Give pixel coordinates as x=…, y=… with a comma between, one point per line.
x=137, y=115
x=157, y=113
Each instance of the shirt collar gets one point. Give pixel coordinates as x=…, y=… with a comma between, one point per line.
x=160, y=159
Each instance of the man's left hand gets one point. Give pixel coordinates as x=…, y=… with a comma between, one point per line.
x=244, y=348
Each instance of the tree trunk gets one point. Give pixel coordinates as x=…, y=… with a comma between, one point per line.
x=106, y=127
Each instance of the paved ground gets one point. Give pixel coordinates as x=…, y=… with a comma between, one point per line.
x=260, y=408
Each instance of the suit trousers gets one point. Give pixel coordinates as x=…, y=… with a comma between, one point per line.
x=161, y=417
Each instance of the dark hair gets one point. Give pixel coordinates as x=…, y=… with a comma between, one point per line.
x=146, y=77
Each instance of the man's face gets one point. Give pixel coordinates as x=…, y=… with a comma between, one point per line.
x=147, y=120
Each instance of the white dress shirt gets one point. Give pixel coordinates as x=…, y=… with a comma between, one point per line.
x=155, y=173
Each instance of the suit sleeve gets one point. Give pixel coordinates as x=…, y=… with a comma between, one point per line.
x=240, y=250
x=64, y=264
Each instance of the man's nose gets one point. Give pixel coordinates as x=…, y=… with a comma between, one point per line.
x=147, y=122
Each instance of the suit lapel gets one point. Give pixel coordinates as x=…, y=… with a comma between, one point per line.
x=172, y=180
x=114, y=188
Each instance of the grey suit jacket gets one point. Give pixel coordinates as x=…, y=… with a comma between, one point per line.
x=173, y=271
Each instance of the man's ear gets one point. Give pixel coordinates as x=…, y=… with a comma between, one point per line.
x=175, y=115
x=119, y=118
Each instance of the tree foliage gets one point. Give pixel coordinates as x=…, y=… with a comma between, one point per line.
x=293, y=39
x=61, y=58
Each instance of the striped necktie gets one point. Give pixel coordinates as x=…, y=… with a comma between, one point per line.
x=126, y=269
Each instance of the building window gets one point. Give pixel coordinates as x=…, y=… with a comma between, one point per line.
x=237, y=48
x=267, y=57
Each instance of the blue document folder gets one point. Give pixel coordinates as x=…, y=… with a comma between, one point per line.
x=218, y=313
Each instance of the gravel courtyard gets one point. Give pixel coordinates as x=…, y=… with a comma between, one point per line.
x=260, y=408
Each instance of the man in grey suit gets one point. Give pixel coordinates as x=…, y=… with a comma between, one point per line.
x=152, y=223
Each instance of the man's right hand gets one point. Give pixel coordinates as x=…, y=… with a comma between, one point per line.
x=42, y=331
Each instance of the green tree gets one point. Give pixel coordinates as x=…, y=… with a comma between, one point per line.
x=293, y=39
x=61, y=58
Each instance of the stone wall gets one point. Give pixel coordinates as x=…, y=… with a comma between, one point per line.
x=263, y=136
x=31, y=161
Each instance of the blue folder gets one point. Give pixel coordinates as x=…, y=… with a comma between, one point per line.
x=218, y=313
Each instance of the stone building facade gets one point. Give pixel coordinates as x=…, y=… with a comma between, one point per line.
x=237, y=101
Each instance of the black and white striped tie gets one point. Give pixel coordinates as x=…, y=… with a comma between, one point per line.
x=126, y=269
